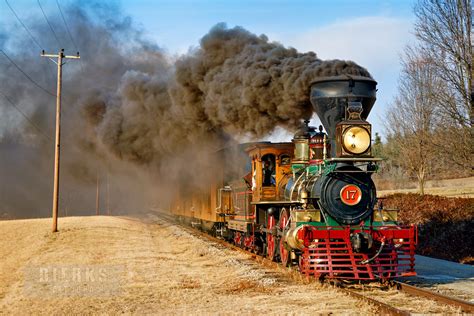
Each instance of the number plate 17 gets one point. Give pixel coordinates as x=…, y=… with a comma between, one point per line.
x=351, y=194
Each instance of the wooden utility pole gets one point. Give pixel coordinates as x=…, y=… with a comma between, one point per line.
x=97, y=197
x=107, y=193
x=60, y=56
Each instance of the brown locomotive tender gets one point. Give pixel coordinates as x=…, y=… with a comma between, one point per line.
x=310, y=202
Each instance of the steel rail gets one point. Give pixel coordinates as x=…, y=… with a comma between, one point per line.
x=466, y=307
x=383, y=308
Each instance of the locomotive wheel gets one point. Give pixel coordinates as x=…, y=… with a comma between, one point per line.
x=270, y=238
x=283, y=223
x=248, y=242
x=238, y=239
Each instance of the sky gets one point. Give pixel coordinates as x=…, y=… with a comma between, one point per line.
x=369, y=32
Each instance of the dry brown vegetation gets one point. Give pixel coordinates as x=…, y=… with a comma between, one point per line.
x=164, y=271
x=460, y=187
x=445, y=224
x=243, y=286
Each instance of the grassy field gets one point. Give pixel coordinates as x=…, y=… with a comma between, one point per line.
x=453, y=188
x=103, y=265
x=106, y=265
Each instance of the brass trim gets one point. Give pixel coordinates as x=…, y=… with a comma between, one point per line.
x=306, y=216
x=386, y=216
x=354, y=159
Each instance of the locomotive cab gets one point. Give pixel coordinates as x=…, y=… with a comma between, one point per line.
x=270, y=165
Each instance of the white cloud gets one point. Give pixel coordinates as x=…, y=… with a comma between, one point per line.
x=374, y=42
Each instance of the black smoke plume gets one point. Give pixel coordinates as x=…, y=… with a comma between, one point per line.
x=137, y=116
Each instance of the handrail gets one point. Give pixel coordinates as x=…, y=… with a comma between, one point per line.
x=225, y=188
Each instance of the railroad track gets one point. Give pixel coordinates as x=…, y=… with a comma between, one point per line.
x=465, y=306
x=383, y=308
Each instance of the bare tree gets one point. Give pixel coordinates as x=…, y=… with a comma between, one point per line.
x=443, y=29
x=411, y=118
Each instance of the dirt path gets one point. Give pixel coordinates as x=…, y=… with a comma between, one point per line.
x=147, y=268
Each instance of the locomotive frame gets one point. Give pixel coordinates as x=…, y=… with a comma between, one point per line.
x=310, y=202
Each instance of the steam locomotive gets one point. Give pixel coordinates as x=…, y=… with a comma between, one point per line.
x=310, y=202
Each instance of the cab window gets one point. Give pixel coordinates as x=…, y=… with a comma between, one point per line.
x=268, y=170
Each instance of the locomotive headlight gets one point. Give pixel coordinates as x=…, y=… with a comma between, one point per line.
x=398, y=243
x=356, y=140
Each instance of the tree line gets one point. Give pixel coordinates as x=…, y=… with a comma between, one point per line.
x=429, y=122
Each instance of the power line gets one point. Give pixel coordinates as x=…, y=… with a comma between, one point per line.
x=27, y=30
x=26, y=75
x=26, y=117
x=24, y=26
x=69, y=33
x=50, y=26
x=67, y=28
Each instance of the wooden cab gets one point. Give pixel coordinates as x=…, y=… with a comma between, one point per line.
x=271, y=163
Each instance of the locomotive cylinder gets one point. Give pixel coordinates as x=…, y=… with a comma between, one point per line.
x=291, y=238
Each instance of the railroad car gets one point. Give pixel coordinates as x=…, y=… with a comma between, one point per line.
x=310, y=202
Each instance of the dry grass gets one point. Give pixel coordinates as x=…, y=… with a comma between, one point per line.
x=163, y=270
x=189, y=283
x=245, y=286
x=463, y=187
